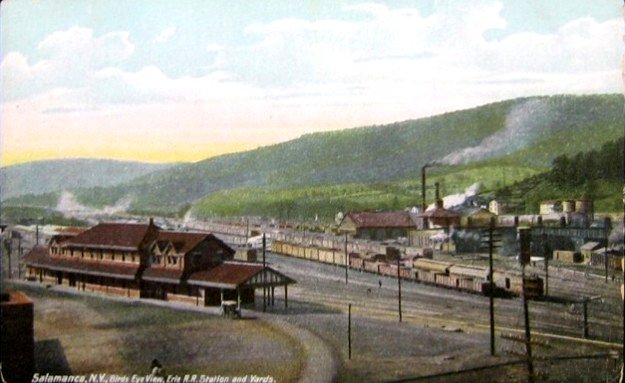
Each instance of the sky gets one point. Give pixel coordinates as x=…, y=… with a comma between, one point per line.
x=164, y=81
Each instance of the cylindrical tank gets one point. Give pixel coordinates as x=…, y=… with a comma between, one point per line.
x=583, y=206
x=568, y=206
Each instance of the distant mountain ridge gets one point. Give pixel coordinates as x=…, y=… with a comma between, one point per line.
x=521, y=132
x=57, y=175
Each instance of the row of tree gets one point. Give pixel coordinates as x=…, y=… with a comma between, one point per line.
x=605, y=163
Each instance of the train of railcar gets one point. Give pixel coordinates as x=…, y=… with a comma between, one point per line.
x=450, y=275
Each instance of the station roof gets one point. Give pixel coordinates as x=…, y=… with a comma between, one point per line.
x=231, y=275
x=39, y=257
x=123, y=236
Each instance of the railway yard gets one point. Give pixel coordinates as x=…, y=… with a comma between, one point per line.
x=446, y=330
x=443, y=335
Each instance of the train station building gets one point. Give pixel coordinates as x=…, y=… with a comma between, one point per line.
x=144, y=261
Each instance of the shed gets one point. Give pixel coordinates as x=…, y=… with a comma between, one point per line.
x=588, y=248
x=378, y=226
x=238, y=280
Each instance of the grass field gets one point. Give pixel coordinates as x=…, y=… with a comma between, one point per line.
x=82, y=334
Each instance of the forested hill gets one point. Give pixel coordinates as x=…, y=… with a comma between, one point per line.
x=520, y=132
x=57, y=175
x=596, y=174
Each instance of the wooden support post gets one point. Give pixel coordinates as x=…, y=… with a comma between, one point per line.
x=286, y=295
x=273, y=295
x=239, y=299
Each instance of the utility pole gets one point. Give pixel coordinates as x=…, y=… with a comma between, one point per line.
x=606, y=230
x=585, y=301
x=264, y=282
x=489, y=237
x=247, y=230
x=349, y=331
x=491, y=286
x=547, y=251
x=346, y=259
x=528, y=337
x=396, y=252
x=19, y=257
x=8, y=243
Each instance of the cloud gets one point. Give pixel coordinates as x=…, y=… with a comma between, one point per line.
x=165, y=35
x=70, y=58
x=214, y=48
x=397, y=62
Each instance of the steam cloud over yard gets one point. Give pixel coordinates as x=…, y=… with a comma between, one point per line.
x=523, y=124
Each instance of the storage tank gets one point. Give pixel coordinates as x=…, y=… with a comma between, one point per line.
x=568, y=206
x=584, y=206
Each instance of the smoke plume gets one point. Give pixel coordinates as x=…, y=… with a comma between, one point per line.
x=523, y=124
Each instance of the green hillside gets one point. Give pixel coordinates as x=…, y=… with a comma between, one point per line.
x=524, y=135
x=597, y=174
x=324, y=201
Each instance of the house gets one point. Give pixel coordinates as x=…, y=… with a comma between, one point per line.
x=144, y=261
x=378, y=226
x=588, y=249
x=439, y=217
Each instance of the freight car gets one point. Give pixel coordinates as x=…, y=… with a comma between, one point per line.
x=468, y=278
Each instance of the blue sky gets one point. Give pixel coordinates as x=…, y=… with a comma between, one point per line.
x=185, y=80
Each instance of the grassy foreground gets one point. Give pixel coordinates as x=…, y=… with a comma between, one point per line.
x=81, y=335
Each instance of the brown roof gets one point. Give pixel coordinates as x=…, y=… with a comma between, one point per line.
x=72, y=230
x=111, y=235
x=39, y=257
x=183, y=242
x=382, y=219
x=161, y=274
x=439, y=213
x=232, y=274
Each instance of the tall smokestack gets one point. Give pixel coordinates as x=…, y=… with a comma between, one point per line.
x=423, y=204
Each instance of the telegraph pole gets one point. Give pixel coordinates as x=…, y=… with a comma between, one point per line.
x=346, y=259
x=525, y=241
x=491, y=287
x=349, y=331
x=264, y=282
x=396, y=252
x=528, y=337
x=489, y=238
